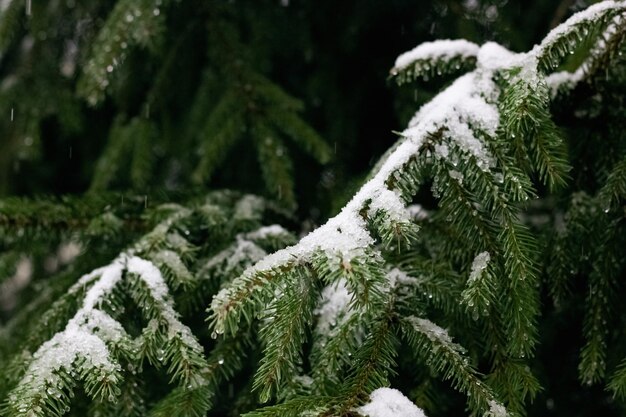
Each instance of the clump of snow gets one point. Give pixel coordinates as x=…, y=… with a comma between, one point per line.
x=389, y=402
x=60, y=353
x=493, y=56
x=397, y=277
x=245, y=251
x=303, y=380
x=497, y=410
x=67, y=252
x=444, y=49
x=568, y=80
x=453, y=110
x=417, y=212
x=109, y=277
x=390, y=202
x=479, y=265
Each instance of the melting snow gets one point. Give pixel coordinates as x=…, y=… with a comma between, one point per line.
x=431, y=330
x=479, y=265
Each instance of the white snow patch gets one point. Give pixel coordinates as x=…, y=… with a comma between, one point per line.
x=497, y=410
x=479, y=265
x=442, y=150
x=241, y=252
x=303, y=380
x=67, y=252
x=389, y=402
x=417, y=212
x=266, y=231
x=391, y=203
x=153, y=278
x=86, y=334
x=445, y=49
x=397, y=277
x=568, y=80
x=454, y=109
x=334, y=307
x=109, y=277
x=61, y=352
x=493, y=56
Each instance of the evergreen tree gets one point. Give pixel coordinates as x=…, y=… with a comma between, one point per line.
x=492, y=227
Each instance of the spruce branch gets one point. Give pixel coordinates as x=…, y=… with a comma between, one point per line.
x=130, y=24
x=432, y=59
x=561, y=40
x=283, y=333
x=433, y=345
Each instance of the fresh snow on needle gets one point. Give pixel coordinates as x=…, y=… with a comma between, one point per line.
x=453, y=110
x=479, y=265
x=441, y=49
x=590, y=14
x=389, y=402
x=497, y=410
x=431, y=330
x=87, y=333
x=334, y=306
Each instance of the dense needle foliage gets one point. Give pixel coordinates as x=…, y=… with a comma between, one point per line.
x=181, y=236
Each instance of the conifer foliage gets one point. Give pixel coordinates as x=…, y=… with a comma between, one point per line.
x=210, y=305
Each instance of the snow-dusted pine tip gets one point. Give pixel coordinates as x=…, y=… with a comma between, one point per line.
x=454, y=110
x=590, y=14
x=444, y=49
x=152, y=277
x=389, y=402
x=479, y=265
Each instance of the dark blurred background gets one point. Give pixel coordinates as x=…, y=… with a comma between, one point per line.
x=333, y=55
